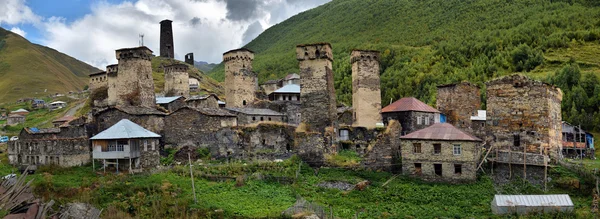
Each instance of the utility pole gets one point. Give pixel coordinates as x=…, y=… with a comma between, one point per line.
x=192, y=175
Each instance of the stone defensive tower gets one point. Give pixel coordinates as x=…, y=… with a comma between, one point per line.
x=366, y=92
x=317, y=92
x=189, y=58
x=166, y=39
x=240, y=81
x=459, y=102
x=134, y=85
x=177, y=80
x=112, y=73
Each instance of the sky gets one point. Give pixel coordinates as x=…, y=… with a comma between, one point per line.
x=91, y=30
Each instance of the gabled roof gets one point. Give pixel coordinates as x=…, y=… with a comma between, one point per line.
x=441, y=131
x=58, y=102
x=532, y=200
x=125, y=129
x=16, y=116
x=409, y=104
x=20, y=111
x=290, y=88
x=208, y=111
x=292, y=76
x=255, y=111
x=165, y=100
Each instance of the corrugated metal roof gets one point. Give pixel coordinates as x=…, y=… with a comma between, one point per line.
x=290, y=88
x=255, y=111
x=441, y=131
x=20, y=111
x=165, y=100
x=533, y=200
x=481, y=115
x=292, y=76
x=409, y=104
x=220, y=102
x=125, y=129
x=58, y=102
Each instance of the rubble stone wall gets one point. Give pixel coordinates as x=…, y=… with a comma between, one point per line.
x=134, y=85
x=459, y=102
x=241, y=82
x=183, y=127
x=177, y=80
x=408, y=120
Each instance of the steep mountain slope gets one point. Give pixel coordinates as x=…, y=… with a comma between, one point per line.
x=204, y=66
x=425, y=43
x=31, y=70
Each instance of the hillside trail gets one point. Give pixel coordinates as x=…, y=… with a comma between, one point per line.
x=73, y=110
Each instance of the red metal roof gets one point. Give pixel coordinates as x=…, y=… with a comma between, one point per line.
x=409, y=104
x=441, y=131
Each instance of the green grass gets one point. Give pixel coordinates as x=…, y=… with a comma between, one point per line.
x=40, y=118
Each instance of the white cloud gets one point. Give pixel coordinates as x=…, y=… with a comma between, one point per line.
x=15, y=12
x=205, y=27
x=18, y=31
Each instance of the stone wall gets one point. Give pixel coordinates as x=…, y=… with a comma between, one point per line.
x=189, y=58
x=459, y=102
x=210, y=101
x=408, y=120
x=471, y=151
x=175, y=105
x=66, y=146
x=310, y=146
x=112, y=72
x=166, y=39
x=134, y=85
x=241, y=82
x=98, y=80
x=317, y=93
x=291, y=109
x=384, y=152
x=366, y=92
x=524, y=113
x=149, y=156
x=183, y=127
x=152, y=120
x=267, y=141
x=177, y=80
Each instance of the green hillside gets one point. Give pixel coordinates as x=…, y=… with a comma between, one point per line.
x=31, y=70
x=425, y=43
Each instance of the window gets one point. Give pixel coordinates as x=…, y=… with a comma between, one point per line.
x=417, y=148
x=112, y=146
x=344, y=135
x=269, y=118
x=262, y=119
x=253, y=118
x=153, y=145
x=437, y=167
x=145, y=145
x=517, y=140
x=457, y=169
x=419, y=120
x=426, y=120
x=457, y=149
x=418, y=168
x=121, y=145
x=437, y=148
x=244, y=103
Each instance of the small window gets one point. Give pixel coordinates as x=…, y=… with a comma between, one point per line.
x=437, y=148
x=426, y=120
x=437, y=167
x=244, y=103
x=264, y=142
x=269, y=118
x=418, y=169
x=517, y=140
x=457, y=149
x=419, y=122
x=253, y=118
x=153, y=145
x=417, y=148
x=145, y=145
x=457, y=169
x=262, y=119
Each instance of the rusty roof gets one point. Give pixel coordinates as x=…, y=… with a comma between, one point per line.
x=441, y=131
x=409, y=104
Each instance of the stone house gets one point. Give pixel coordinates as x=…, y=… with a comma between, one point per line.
x=291, y=109
x=246, y=116
x=98, y=80
x=411, y=113
x=149, y=118
x=271, y=85
x=14, y=119
x=291, y=79
x=38, y=104
x=204, y=101
x=65, y=146
x=185, y=126
x=441, y=152
x=171, y=104
x=290, y=92
x=126, y=145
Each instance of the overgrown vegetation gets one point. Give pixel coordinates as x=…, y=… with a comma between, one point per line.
x=427, y=43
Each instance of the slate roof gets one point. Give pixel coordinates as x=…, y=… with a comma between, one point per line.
x=165, y=100
x=210, y=111
x=203, y=97
x=133, y=110
x=441, y=131
x=290, y=88
x=255, y=111
x=125, y=129
x=409, y=104
x=272, y=82
x=34, y=130
x=532, y=200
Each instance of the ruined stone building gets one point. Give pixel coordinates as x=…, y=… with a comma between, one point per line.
x=132, y=83
x=15, y=119
x=247, y=115
x=412, y=114
x=271, y=85
x=366, y=93
x=290, y=108
x=524, y=115
x=459, y=102
x=241, y=82
x=187, y=126
x=441, y=152
x=171, y=104
x=478, y=123
x=167, y=48
x=177, y=80
x=189, y=58
x=317, y=94
x=62, y=121
x=204, y=101
x=126, y=145
x=65, y=146
x=291, y=79
x=98, y=80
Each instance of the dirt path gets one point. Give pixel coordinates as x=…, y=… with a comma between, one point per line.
x=72, y=111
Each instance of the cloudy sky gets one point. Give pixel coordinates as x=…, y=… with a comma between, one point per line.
x=91, y=30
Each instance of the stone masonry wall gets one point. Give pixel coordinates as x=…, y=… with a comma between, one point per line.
x=149, y=156
x=383, y=154
x=177, y=81
x=98, y=80
x=524, y=112
x=408, y=120
x=109, y=117
x=183, y=126
x=471, y=151
x=112, y=75
x=459, y=102
x=291, y=109
x=366, y=92
x=241, y=82
x=317, y=93
x=134, y=85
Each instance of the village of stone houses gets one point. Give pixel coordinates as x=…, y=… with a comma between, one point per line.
x=286, y=148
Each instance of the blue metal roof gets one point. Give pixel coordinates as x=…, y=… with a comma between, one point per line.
x=125, y=129
x=165, y=100
x=290, y=88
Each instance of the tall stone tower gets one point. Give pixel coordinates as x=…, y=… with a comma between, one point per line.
x=189, y=58
x=177, y=80
x=134, y=85
x=240, y=81
x=166, y=39
x=112, y=73
x=317, y=92
x=366, y=92
x=459, y=102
